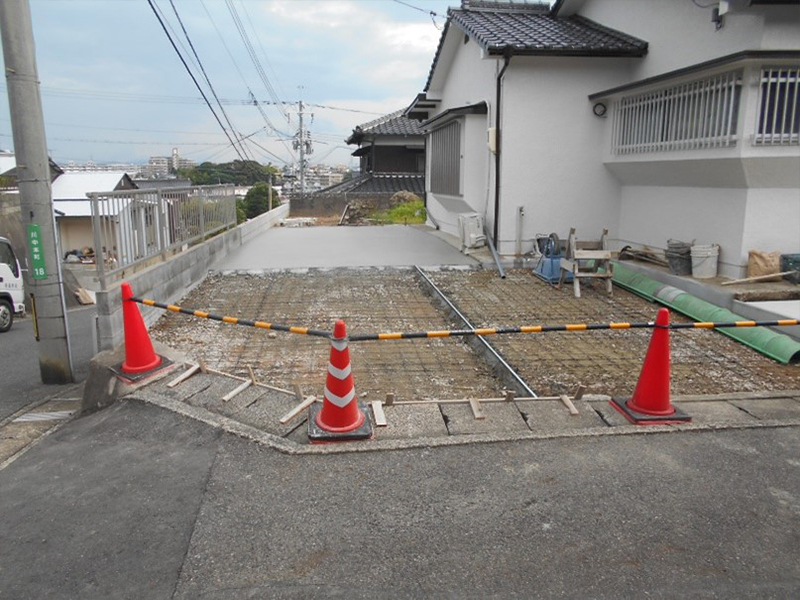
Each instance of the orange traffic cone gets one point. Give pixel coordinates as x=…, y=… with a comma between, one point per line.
x=342, y=417
x=141, y=359
x=650, y=404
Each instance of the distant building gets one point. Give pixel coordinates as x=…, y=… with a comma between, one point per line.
x=161, y=166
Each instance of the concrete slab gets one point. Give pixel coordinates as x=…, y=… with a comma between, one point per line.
x=410, y=421
x=703, y=413
x=611, y=415
x=392, y=245
x=552, y=415
x=196, y=384
x=500, y=417
x=777, y=408
x=211, y=396
x=265, y=412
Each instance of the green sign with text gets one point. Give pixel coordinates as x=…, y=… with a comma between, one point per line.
x=37, y=251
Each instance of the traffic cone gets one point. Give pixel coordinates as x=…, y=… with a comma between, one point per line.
x=141, y=359
x=650, y=404
x=341, y=417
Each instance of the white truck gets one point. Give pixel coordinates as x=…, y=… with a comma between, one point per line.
x=12, y=294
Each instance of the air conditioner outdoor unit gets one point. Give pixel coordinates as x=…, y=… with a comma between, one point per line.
x=470, y=229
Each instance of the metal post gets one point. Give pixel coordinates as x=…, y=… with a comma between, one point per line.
x=33, y=177
x=270, y=191
x=302, y=153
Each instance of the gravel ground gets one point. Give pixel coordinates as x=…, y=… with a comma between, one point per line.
x=376, y=300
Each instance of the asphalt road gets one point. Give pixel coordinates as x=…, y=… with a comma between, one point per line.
x=137, y=502
x=20, y=380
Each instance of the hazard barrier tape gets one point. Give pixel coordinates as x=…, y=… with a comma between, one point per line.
x=397, y=335
x=567, y=327
x=233, y=320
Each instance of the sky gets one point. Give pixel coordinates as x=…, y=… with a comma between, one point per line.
x=114, y=89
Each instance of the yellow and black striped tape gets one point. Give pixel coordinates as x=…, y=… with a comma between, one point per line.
x=397, y=335
x=233, y=320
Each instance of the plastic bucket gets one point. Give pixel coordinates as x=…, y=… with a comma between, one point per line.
x=679, y=257
x=704, y=261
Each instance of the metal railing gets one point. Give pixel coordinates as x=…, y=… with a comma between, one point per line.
x=131, y=227
x=696, y=114
x=778, y=122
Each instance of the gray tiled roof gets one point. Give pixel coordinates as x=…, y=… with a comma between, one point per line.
x=380, y=183
x=391, y=124
x=530, y=30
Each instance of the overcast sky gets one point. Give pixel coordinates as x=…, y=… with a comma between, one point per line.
x=113, y=88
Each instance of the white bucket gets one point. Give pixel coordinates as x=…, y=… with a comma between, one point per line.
x=704, y=261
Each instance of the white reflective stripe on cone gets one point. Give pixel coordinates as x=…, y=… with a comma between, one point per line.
x=340, y=401
x=339, y=373
x=339, y=344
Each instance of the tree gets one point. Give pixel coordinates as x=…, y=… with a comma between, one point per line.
x=256, y=201
x=238, y=172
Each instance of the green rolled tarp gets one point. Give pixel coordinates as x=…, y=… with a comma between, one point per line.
x=770, y=343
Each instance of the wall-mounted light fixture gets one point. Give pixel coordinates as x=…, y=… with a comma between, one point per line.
x=599, y=109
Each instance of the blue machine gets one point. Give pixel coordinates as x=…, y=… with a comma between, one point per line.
x=548, y=268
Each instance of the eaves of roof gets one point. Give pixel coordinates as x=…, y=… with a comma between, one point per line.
x=537, y=33
x=451, y=113
x=396, y=123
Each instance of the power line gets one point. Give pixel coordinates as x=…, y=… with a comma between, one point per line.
x=188, y=70
x=128, y=142
x=208, y=81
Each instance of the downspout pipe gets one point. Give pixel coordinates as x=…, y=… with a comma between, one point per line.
x=498, y=146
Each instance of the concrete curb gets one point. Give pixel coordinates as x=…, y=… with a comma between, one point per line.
x=288, y=447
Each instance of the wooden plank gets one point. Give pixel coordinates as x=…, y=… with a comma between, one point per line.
x=592, y=255
x=579, y=392
x=298, y=392
x=477, y=409
x=183, y=376
x=510, y=395
x=757, y=278
x=252, y=375
x=297, y=410
x=570, y=406
x=377, y=412
x=238, y=390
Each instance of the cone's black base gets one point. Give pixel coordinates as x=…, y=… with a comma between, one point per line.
x=137, y=377
x=637, y=418
x=317, y=435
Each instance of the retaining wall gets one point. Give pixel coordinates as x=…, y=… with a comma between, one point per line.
x=171, y=280
x=333, y=205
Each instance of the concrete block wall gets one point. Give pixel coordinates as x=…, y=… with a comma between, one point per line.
x=169, y=281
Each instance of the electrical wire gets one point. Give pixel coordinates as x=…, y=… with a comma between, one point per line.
x=208, y=80
x=188, y=70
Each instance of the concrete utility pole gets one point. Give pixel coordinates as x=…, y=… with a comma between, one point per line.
x=33, y=177
x=302, y=151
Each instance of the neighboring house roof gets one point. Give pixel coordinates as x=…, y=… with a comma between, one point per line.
x=379, y=183
x=392, y=124
x=502, y=28
x=75, y=186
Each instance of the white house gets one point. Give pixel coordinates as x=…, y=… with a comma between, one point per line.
x=656, y=119
x=74, y=209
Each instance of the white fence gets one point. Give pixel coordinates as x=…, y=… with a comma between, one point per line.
x=132, y=227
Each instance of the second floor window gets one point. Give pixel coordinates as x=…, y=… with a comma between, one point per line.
x=695, y=114
x=779, y=107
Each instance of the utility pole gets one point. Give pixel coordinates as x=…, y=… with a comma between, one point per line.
x=302, y=142
x=302, y=152
x=33, y=178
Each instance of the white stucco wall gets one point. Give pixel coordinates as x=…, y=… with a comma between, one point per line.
x=650, y=215
x=680, y=33
x=552, y=149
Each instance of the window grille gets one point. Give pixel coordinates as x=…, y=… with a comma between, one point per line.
x=696, y=114
x=446, y=160
x=779, y=107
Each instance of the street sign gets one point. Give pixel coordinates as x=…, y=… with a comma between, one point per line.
x=37, y=251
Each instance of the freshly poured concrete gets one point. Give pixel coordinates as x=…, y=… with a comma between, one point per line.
x=298, y=247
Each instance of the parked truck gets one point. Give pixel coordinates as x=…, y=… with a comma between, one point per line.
x=12, y=294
